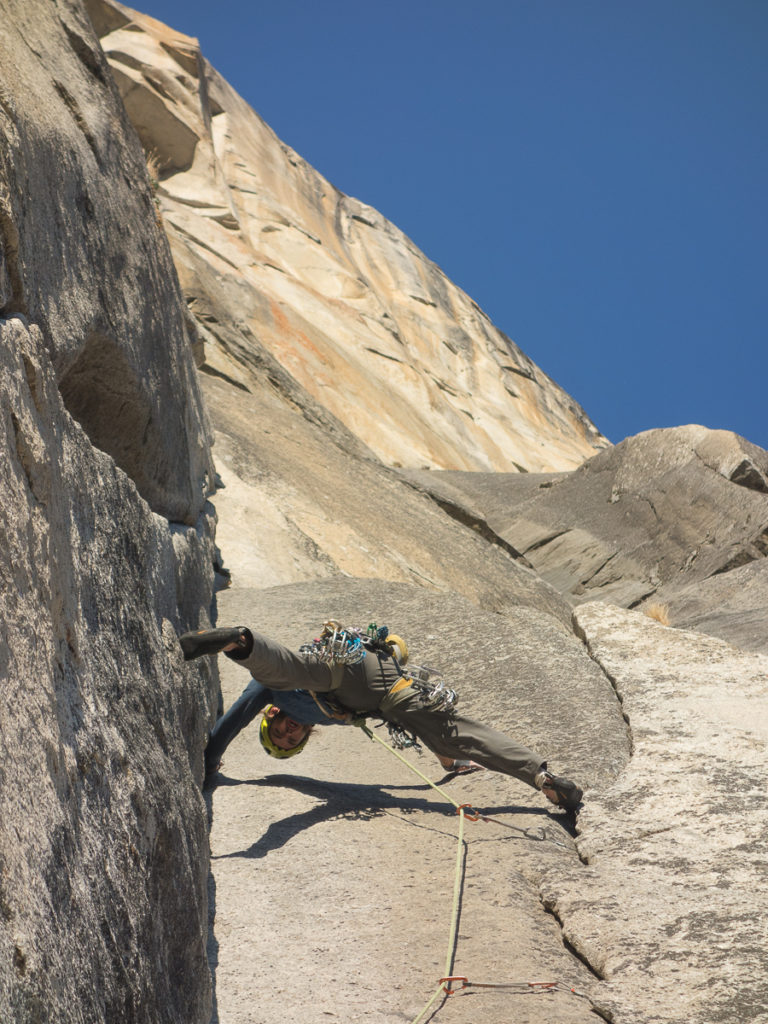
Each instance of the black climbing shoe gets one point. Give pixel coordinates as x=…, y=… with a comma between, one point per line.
x=211, y=771
x=559, y=791
x=211, y=641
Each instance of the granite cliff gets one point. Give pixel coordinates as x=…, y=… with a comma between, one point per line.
x=176, y=283
x=107, y=545
x=276, y=262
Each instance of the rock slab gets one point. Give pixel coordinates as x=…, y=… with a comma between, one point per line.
x=671, y=907
x=355, y=856
x=677, y=517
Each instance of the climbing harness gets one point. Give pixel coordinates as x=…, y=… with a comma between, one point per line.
x=340, y=645
x=431, y=692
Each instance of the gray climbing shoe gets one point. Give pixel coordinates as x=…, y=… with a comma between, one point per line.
x=559, y=791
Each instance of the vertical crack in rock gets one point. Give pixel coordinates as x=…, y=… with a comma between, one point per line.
x=601, y=1012
x=33, y=470
x=74, y=108
x=87, y=54
x=549, y=907
x=11, y=288
x=579, y=632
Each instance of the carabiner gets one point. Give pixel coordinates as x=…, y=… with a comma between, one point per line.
x=474, y=816
x=451, y=979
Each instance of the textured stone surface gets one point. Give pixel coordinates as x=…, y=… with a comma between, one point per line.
x=667, y=516
x=297, y=296
x=105, y=553
x=296, y=506
x=672, y=904
x=85, y=260
x=373, y=934
x=732, y=605
x=362, y=320
x=102, y=840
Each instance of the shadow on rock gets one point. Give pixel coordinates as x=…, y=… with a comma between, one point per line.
x=364, y=802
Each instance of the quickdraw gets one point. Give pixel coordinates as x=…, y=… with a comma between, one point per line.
x=515, y=986
x=402, y=740
x=336, y=645
x=432, y=690
x=348, y=645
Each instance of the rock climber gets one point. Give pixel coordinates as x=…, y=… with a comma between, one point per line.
x=285, y=728
x=348, y=676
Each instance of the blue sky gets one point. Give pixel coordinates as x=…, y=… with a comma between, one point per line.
x=592, y=172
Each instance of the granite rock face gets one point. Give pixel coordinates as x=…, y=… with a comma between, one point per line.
x=670, y=907
x=298, y=506
x=101, y=824
x=74, y=196
x=302, y=306
x=274, y=259
x=106, y=551
x=677, y=517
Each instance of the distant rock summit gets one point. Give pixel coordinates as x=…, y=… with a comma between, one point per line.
x=272, y=257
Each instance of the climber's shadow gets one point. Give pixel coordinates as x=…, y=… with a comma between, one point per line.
x=364, y=802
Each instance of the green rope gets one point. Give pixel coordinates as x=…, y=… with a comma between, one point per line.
x=432, y=1000
x=457, y=885
x=527, y=986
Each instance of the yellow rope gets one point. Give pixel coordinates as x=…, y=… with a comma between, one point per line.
x=454, y=918
x=457, y=880
x=413, y=767
x=457, y=886
x=456, y=897
x=434, y=997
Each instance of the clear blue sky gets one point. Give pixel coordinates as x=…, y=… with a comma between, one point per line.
x=594, y=173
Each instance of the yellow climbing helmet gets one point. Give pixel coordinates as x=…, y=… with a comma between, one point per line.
x=271, y=748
